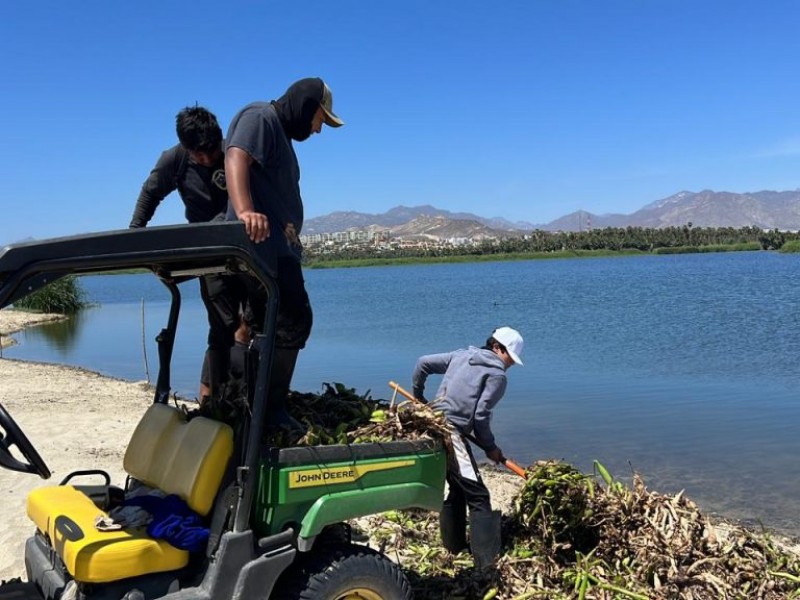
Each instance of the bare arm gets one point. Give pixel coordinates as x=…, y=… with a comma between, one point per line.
x=237, y=175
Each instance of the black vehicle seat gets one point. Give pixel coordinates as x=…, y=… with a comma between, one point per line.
x=165, y=452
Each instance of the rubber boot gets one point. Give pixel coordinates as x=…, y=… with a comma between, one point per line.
x=453, y=527
x=484, y=533
x=277, y=416
x=218, y=362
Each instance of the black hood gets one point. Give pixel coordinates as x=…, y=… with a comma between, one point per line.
x=297, y=106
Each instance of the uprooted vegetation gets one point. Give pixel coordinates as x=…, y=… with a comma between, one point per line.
x=572, y=535
x=568, y=534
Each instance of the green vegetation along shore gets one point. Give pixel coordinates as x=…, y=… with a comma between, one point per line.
x=63, y=296
x=547, y=245
x=334, y=263
x=791, y=247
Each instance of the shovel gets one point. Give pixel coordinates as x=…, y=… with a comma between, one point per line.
x=509, y=464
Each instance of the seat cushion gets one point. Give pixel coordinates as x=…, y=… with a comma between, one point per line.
x=179, y=457
x=67, y=517
x=157, y=423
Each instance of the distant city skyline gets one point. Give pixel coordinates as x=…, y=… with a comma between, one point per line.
x=524, y=110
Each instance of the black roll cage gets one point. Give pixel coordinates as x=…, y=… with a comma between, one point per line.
x=174, y=254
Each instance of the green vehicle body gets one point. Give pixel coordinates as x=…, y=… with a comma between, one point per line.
x=311, y=488
x=285, y=502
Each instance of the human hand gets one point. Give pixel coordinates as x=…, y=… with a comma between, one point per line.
x=496, y=455
x=256, y=224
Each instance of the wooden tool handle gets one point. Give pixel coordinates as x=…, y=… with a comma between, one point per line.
x=509, y=464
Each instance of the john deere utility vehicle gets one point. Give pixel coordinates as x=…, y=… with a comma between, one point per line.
x=274, y=514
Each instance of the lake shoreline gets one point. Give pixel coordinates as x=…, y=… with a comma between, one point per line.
x=42, y=399
x=13, y=321
x=348, y=263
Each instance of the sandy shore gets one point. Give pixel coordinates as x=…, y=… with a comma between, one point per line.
x=76, y=419
x=12, y=321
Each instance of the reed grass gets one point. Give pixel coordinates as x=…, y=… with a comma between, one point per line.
x=63, y=296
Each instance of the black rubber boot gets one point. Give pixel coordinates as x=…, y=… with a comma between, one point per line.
x=453, y=527
x=277, y=416
x=218, y=362
x=484, y=538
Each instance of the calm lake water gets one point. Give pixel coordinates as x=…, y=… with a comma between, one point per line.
x=685, y=368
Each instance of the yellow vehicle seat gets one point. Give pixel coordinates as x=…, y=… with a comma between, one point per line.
x=165, y=452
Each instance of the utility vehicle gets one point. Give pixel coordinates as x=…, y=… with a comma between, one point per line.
x=275, y=514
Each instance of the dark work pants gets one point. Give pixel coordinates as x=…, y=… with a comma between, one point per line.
x=293, y=326
x=224, y=297
x=295, y=318
x=466, y=486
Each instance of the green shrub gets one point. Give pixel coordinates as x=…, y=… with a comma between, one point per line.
x=63, y=296
x=676, y=250
x=792, y=246
x=740, y=247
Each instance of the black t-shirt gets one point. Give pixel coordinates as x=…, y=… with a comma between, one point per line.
x=202, y=189
x=274, y=176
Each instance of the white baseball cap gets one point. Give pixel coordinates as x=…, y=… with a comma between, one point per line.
x=512, y=340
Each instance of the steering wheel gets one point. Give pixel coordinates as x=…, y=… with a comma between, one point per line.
x=11, y=435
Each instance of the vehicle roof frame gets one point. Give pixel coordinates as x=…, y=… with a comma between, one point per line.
x=172, y=253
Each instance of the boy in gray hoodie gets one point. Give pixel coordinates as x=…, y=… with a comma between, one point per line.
x=474, y=382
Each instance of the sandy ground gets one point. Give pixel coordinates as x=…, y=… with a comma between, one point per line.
x=78, y=419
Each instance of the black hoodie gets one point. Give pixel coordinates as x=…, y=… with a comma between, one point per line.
x=296, y=108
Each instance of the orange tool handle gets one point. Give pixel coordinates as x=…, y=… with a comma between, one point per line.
x=508, y=463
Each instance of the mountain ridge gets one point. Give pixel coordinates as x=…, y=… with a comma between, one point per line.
x=766, y=209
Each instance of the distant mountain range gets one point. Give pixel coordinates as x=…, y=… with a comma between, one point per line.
x=765, y=209
x=401, y=215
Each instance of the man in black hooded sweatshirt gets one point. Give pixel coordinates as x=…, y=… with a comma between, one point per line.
x=263, y=179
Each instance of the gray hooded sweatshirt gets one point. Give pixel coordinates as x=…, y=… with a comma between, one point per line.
x=474, y=382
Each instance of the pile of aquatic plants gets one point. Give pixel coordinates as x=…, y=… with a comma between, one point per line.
x=339, y=415
x=569, y=535
x=572, y=535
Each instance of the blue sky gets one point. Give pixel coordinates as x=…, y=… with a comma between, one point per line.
x=525, y=110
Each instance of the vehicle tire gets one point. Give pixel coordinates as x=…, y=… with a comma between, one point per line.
x=344, y=572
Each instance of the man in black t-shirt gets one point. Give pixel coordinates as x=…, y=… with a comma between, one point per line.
x=196, y=169
x=264, y=188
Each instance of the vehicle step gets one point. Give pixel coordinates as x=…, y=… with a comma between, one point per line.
x=19, y=590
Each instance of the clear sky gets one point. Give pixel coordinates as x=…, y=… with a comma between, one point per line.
x=525, y=110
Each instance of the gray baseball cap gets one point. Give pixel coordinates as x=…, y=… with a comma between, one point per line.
x=327, y=107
